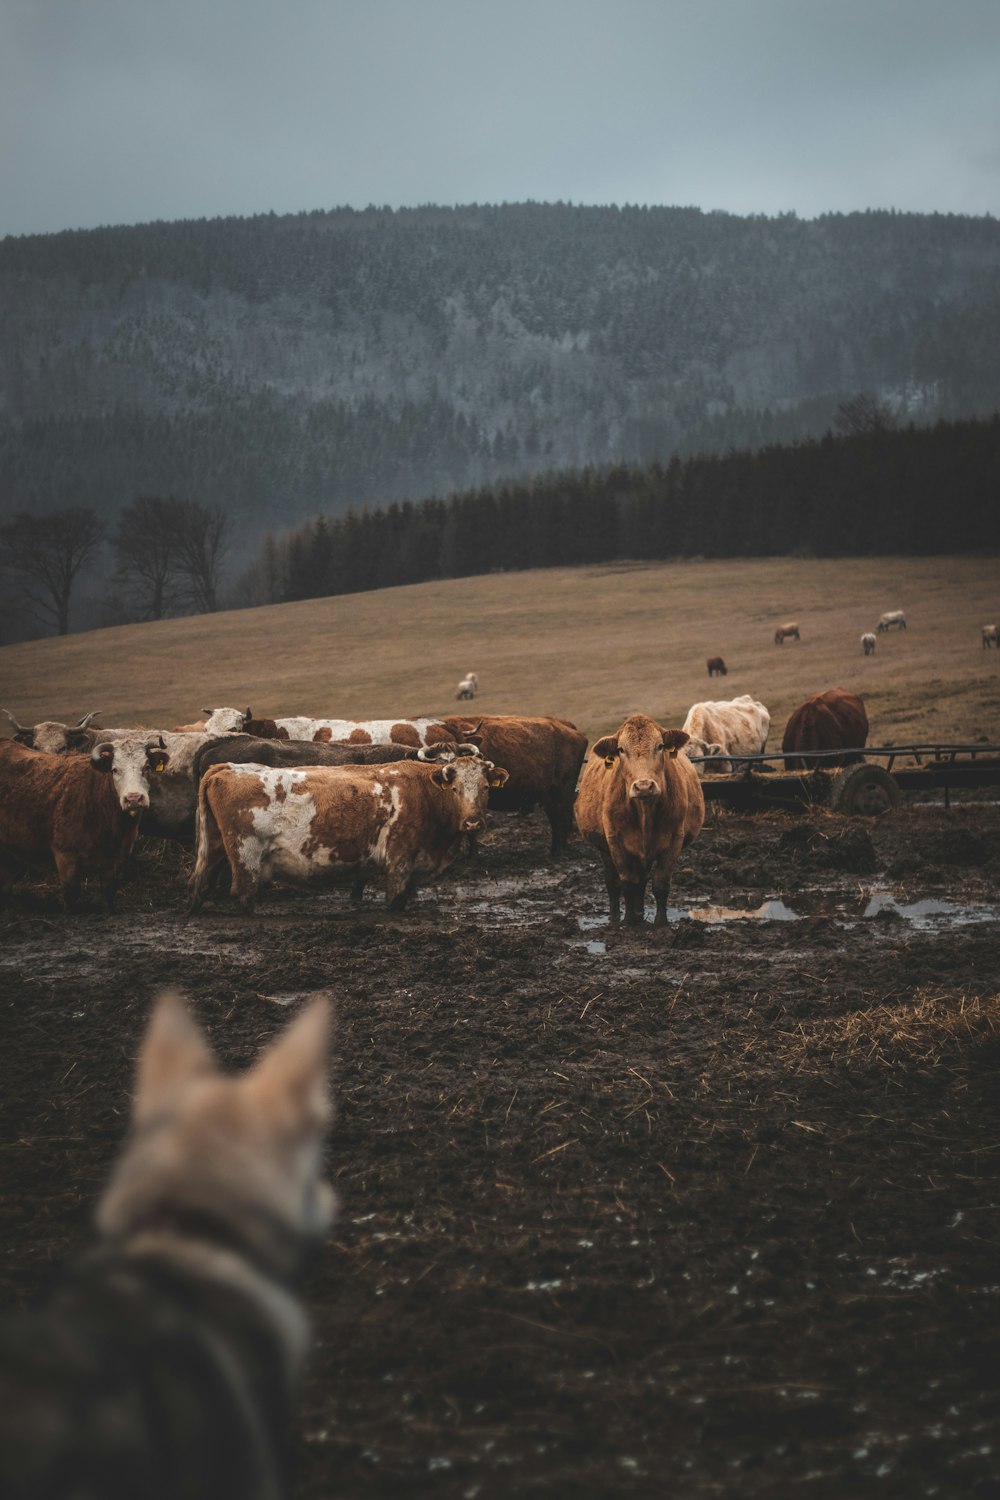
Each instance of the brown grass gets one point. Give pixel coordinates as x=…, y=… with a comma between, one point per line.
x=590, y=644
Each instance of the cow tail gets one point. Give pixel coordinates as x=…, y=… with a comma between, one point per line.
x=206, y=825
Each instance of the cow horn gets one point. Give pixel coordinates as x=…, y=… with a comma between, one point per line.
x=84, y=722
x=17, y=727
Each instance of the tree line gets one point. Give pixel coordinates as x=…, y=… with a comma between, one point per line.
x=869, y=489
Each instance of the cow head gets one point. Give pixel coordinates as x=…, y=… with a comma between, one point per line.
x=131, y=763
x=470, y=778
x=445, y=751
x=640, y=750
x=52, y=737
x=226, y=720
x=714, y=756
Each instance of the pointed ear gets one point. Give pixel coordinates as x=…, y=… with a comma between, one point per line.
x=173, y=1053
x=608, y=747
x=290, y=1083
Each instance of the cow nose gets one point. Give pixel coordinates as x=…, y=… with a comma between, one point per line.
x=642, y=789
x=472, y=825
x=133, y=800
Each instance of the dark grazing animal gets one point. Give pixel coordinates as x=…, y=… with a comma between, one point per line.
x=246, y=749
x=164, y=1365
x=834, y=720
x=717, y=667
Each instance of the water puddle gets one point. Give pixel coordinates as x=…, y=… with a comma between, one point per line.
x=926, y=915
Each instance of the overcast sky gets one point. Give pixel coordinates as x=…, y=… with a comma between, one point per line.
x=122, y=111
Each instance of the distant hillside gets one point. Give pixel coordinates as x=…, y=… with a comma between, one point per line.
x=287, y=366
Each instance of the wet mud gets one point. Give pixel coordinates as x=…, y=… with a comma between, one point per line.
x=706, y=1212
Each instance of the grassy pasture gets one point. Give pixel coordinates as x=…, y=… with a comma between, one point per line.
x=590, y=644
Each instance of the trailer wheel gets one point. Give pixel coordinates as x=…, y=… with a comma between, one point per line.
x=866, y=790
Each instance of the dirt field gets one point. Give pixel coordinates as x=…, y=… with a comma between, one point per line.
x=707, y=1214
x=590, y=644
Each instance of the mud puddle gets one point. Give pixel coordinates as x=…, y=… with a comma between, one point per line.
x=927, y=914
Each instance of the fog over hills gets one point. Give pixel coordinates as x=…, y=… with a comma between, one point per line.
x=286, y=366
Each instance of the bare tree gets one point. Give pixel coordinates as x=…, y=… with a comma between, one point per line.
x=864, y=413
x=45, y=554
x=146, y=546
x=202, y=536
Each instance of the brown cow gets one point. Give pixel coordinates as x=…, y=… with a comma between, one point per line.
x=717, y=667
x=61, y=808
x=784, y=632
x=640, y=804
x=542, y=758
x=404, y=821
x=834, y=720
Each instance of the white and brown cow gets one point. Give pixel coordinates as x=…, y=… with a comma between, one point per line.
x=716, y=730
x=639, y=805
x=402, y=823
x=80, y=812
x=415, y=733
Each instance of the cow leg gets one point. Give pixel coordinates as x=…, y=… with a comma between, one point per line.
x=399, y=887
x=358, y=891
x=68, y=871
x=111, y=892
x=661, y=894
x=560, y=816
x=635, y=901
x=614, y=885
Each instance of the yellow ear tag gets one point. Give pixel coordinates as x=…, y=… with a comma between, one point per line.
x=160, y=765
x=609, y=761
x=672, y=752
x=495, y=781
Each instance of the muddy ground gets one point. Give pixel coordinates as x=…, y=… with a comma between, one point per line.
x=712, y=1214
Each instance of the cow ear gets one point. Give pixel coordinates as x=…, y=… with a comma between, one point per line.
x=174, y=1052
x=77, y=739
x=102, y=756
x=606, y=748
x=444, y=775
x=498, y=776
x=673, y=739
x=156, y=757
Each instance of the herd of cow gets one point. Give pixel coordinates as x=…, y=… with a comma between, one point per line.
x=386, y=801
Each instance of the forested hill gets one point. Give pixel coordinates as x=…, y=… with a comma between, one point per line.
x=286, y=366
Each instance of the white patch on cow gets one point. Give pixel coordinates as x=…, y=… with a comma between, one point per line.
x=379, y=852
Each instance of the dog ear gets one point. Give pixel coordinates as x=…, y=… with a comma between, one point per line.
x=173, y=1053
x=291, y=1081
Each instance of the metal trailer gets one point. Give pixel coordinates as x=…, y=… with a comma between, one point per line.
x=861, y=787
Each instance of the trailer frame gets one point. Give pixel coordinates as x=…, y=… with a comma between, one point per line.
x=831, y=777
